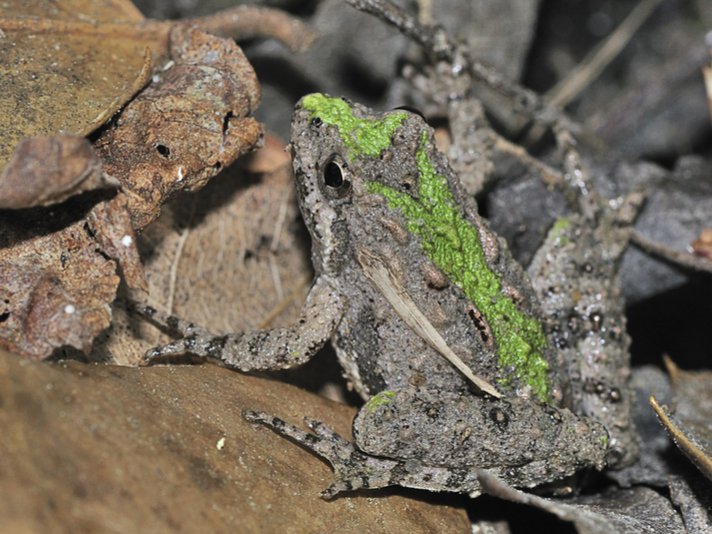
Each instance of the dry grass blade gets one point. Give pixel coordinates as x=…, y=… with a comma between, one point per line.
x=597, y=60
x=684, y=443
x=707, y=74
x=396, y=295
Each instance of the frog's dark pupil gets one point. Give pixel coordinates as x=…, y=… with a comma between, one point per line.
x=333, y=177
x=316, y=121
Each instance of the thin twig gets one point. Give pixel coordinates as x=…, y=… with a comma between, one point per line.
x=174, y=270
x=550, y=175
x=431, y=38
x=593, y=64
x=425, y=12
x=678, y=257
x=707, y=74
x=436, y=41
x=246, y=22
x=276, y=279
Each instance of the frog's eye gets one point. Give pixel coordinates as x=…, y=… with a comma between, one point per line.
x=336, y=183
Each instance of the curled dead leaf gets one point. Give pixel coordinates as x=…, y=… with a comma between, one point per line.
x=180, y=131
x=110, y=224
x=63, y=73
x=47, y=170
x=56, y=277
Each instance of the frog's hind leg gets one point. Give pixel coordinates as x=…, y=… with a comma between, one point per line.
x=355, y=470
x=576, y=274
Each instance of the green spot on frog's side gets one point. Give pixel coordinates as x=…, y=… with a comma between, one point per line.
x=362, y=136
x=455, y=246
x=382, y=399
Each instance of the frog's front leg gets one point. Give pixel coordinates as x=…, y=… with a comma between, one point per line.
x=272, y=349
x=439, y=441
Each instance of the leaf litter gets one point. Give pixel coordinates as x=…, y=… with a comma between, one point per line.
x=637, y=506
x=191, y=122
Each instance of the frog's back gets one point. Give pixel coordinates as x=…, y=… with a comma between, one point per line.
x=374, y=183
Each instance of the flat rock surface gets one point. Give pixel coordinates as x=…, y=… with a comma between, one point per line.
x=98, y=448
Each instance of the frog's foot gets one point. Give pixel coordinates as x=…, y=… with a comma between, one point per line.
x=354, y=469
x=191, y=333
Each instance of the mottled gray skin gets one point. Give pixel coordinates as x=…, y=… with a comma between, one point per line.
x=514, y=438
x=377, y=350
x=518, y=438
x=578, y=281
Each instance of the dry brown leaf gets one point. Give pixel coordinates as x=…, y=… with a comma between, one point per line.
x=56, y=281
x=206, y=131
x=62, y=72
x=180, y=131
x=70, y=65
x=89, y=448
x=619, y=511
x=73, y=10
x=47, y=170
x=269, y=158
x=689, y=424
x=110, y=224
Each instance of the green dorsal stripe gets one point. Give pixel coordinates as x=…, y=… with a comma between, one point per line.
x=454, y=245
x=361, y=136
x=448, y=239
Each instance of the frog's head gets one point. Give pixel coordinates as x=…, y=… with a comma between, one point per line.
x=338, y=148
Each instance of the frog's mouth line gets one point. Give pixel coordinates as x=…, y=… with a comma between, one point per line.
x=383, y=278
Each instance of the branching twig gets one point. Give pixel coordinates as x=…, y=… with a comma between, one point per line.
x=432, y=38
x=436, y=41
x=245, y=22
x=550, y=175
x=678, y=257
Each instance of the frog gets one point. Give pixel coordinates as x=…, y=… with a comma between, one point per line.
x=434, y=323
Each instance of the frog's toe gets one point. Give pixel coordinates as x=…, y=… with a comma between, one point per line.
x=170, y=322
x=170, y=349
x=323, y=430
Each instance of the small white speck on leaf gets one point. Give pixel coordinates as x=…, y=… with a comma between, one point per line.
x=221, y=444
